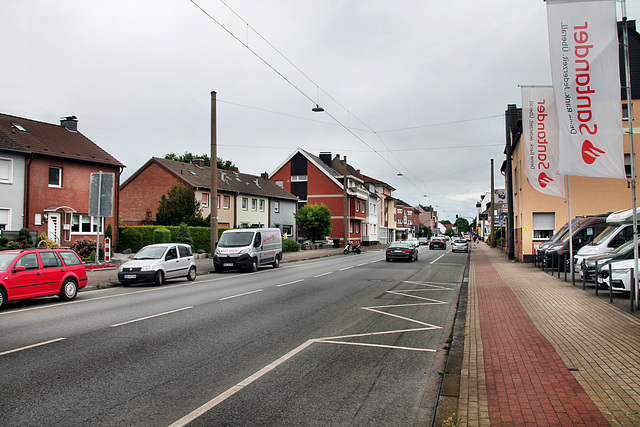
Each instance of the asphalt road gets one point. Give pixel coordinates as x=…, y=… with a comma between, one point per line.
x=342, y=340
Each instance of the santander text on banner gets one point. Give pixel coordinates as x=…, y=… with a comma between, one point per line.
x=540, y=140
x=583, y=47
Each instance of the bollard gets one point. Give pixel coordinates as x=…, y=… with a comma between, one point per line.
x=583, y=266
x=610, y=286
x=564, y=266
x=596, y=281
x=632, y=291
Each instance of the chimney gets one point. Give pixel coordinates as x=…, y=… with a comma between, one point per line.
x=70, y=122
x=198, y=162
x=326, y=158
x=264, y=175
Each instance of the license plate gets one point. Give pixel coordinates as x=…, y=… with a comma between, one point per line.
x=129, y=276
x=227, y=264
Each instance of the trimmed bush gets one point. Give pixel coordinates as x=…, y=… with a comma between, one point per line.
x=183, y=235
x=136, y=237
x=84, y=247
x=162, y=235
x=290, y=246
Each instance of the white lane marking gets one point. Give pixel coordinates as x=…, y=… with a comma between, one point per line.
x=241, y=295
x=435, y=260
x=31, y=346
x=401, y=317
x=236, y=388
x=360, y=265
x=151, y=317
x=434, y=285
x=324, y=274
x=290, y=283
x=378, y=260
x=346, y=268
x=395, y=347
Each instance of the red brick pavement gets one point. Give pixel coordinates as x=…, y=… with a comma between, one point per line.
x=527, y=382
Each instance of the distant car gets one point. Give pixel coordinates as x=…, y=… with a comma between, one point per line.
x=423, y=241
x=460, y=245
x=437, y=242
x=621, y=273
x=413, y=241
x=30, y=273
x=156, y=263
x=402, y=250
x=325, y=241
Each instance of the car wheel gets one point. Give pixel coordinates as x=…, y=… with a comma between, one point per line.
x=276, y=263
x=69, y=290
x=3, y=297
x=254, y=265
x=159, y=278
x=191, y=276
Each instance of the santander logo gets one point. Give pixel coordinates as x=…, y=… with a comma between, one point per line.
x=590, y=152
x=544, y=179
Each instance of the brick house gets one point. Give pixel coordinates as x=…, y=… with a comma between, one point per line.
x=320, y=179
x=386, y=210
x=45, y=175
x=243, y=200
x=405, y=220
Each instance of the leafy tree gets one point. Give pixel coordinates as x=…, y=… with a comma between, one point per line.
x=184, y=235
x=314, y=221
x=463, y=225
x=179, y=205
x=189, y=157
x=449, y=232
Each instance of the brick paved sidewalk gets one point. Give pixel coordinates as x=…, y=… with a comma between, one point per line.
x=539, y=351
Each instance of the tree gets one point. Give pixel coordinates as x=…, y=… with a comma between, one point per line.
x=184, y=235
x=314, y=221
x=189, y=157
x=449, y=232
x=462, y=225
x=179, y=205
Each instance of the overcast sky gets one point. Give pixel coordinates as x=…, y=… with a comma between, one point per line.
x=411, y=87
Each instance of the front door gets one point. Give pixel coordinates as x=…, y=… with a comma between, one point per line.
x=53, y=231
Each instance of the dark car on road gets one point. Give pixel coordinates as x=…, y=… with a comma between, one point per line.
x=402, y=250
x=437, y=242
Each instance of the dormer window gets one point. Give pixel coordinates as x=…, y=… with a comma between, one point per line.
x=18, y=127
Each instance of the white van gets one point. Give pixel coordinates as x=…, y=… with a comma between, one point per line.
x=248, y=249
x=619, y=231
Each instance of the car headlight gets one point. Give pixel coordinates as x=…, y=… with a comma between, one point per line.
x=621, y=271
x=217, y=252
x=243, y=251
x=146, y=268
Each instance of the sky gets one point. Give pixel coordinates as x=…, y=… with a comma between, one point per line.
x=414, y=92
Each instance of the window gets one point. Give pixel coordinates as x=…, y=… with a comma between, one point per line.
x=543, y=225
x=625, y=112
x=50, y=259
x=276, y=206
x=261, y=205
x=227, y=202
x=5, y=218
x=627, y=164
x=6, y=171
x=70, y=258
x=85, y=224
x=55, y=176
x=254, y=204
x=364, y=205
x=357, y=227
x=357, y=205
x=30, y=261
x=280, y=183
x=245, y=203
x=298, y=178
x=205, y=200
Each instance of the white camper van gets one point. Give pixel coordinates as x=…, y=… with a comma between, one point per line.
x=619, y=231
x=248, y=249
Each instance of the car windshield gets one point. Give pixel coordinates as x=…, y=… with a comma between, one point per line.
x=624, y=248
x=460, y=241
x=605, y=234
x=6, y=260
x=235, y=239
x=150, y=252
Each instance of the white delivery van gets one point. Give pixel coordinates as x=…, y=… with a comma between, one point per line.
x=248, y=248
x=619, y=231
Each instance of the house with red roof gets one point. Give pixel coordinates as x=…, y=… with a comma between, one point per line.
x=45, y=179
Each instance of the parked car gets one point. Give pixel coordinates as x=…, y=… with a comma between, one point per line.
x=30, y=273
x=402, y=250
x=460, y=245
x=423, y=241
x=587, y=267
x=157, y=263
x=413, y=241
x=620, y=275
x=325, y=241
x=437, y=242
x=583, y=233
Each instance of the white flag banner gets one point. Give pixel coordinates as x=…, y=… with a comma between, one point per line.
x=585, y=69
x=540, y=140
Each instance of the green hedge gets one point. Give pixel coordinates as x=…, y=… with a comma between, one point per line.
x=136, y=237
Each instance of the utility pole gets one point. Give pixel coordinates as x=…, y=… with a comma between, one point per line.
x=493, y=217
x=345, y=204
x=213, y=202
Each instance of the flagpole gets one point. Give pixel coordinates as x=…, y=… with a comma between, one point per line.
x=625, y=35
x=570, y=229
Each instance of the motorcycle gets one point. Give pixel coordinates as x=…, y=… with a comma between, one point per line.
x=350, y=249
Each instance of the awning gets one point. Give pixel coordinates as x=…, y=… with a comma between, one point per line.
x=65, y=209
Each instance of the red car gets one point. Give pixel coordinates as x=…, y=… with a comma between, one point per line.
x=30, y=273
